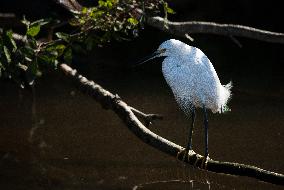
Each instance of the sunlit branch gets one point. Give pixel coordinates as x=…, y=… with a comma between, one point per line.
x=125, y=112
x=183, y=29
x=128, y=114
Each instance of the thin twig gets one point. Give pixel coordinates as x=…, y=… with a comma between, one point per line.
x=148, y=118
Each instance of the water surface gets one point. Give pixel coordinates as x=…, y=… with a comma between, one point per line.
x=58, y=138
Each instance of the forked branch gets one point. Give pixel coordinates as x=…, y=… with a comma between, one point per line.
x=148, y=118
x=125, y=112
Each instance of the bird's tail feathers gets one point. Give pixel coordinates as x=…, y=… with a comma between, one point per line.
x=226, y=96
x=229, y=86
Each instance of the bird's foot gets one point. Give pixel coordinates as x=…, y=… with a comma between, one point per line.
x=204, y=160
x=184, y=153
x=200, y=161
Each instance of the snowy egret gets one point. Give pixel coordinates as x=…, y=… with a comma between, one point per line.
x=194, y=82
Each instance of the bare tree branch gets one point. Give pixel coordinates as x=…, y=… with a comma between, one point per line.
x=125, y=112
x=71, y=5
x=184, y=28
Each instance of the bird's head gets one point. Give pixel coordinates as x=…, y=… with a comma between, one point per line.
x=170, y=47
x=167, y=48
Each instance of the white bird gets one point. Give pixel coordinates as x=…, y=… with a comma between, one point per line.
x=193, y=81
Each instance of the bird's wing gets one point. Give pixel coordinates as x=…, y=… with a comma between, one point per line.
x=192, y=79
x=180, y=80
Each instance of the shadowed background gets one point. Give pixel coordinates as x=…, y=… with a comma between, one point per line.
x=55, y=137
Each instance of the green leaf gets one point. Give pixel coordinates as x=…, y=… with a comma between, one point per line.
x=9, y=33
x=48, y=60
x=133, y=21
x=63, y=36
x=33, y=30
x=170, y=11
x=7, y=54
x=27, y=51
x=84, y=10
x=68, y=55
x=167, y=9
x=101, y=3
x=98, y=13
x=32, y=72
x=56, y=50
x=109, y=4
x=60, y=49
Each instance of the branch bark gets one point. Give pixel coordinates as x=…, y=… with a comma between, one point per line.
x=148, y=118
x=183, y=29
x=125, y=112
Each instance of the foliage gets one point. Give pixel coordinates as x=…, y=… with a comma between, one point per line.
x=24, y=61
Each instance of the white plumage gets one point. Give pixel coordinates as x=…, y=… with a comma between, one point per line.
x=194, y=82
x=192, y=77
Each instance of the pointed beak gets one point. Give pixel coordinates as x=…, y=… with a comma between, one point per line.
x=157, y=53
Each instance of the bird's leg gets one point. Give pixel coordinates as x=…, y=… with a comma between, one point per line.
x=204, y=160
x=206, y=131
x=189, y=142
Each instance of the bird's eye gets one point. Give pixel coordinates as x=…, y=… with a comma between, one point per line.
x=163, y=50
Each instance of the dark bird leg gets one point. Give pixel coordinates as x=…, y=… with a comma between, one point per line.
x=206, y=131
x=189, y=142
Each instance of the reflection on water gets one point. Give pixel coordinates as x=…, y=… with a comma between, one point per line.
x=76, y=144
x=172, y=184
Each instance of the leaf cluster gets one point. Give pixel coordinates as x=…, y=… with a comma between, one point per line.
x=114, y=19
x=26, y=60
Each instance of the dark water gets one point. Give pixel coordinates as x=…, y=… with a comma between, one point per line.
x=58, y=138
